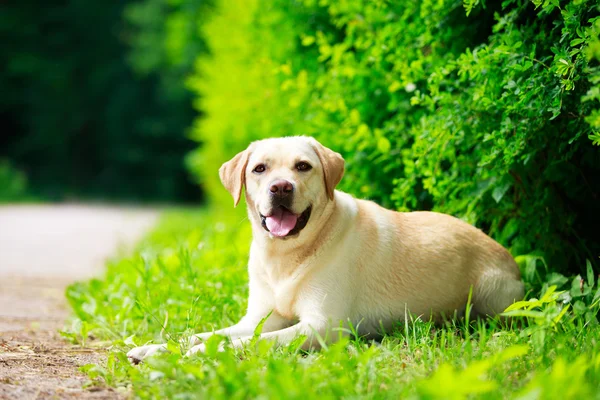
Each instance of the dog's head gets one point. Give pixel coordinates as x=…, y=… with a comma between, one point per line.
x=287, y=180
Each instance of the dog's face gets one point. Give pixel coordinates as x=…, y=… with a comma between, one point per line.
x=286, y=179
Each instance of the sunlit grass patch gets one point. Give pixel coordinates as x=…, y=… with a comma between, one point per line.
x=189, y=276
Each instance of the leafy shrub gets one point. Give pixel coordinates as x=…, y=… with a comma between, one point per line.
x=480, y=112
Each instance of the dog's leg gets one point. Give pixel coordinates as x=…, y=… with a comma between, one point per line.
x=260, y=304
x=319, y=313
x=137, y=354
x=245, y=327
x=312, y=330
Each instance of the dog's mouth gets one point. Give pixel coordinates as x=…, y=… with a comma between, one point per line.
x=284, y=223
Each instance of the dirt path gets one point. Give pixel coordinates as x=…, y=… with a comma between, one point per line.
x=42, y=250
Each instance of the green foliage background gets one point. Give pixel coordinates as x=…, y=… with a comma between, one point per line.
x=93, y=96
x=484, y=110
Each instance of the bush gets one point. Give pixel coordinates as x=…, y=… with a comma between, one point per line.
x=477, y=110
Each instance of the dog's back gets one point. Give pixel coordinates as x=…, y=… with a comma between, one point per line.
x=426, y=263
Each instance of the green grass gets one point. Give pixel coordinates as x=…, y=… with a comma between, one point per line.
x=189, y=276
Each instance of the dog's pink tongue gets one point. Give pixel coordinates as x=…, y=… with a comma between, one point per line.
x=281, y=222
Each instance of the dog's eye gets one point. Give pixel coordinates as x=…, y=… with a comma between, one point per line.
x=259, y=169
x=303, y=166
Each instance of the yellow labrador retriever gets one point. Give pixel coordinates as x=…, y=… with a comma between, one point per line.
x=320, y=256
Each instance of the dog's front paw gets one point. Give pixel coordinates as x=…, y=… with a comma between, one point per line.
x=199, y=348
x=137, y=354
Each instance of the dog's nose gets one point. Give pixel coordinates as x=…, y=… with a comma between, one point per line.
x=281, y=188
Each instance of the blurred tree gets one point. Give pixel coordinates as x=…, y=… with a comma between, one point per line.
x=94, y=104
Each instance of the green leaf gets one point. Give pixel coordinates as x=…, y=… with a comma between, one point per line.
x=519, y=305
x=383, y=145
x=500, y=190
x=579, y=287
x=258, y=329
x=530, y=268
x=590, y=318
x=590, y=273
x=579, y=307
x=394, y=86
x=173, y=347
x=469, y=5
x=308, y=40
x=524, y=313
x=562, y=313
x=556, y=279
x=596, y=296
x=575, y=42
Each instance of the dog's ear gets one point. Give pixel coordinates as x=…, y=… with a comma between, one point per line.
x=233, y=175
x=333, y=166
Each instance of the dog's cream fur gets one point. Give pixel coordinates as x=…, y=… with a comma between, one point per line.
x=354, y=261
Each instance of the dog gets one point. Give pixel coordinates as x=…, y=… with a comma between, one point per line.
x=319, y=256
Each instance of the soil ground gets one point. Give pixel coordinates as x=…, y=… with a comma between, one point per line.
x=43, y=249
